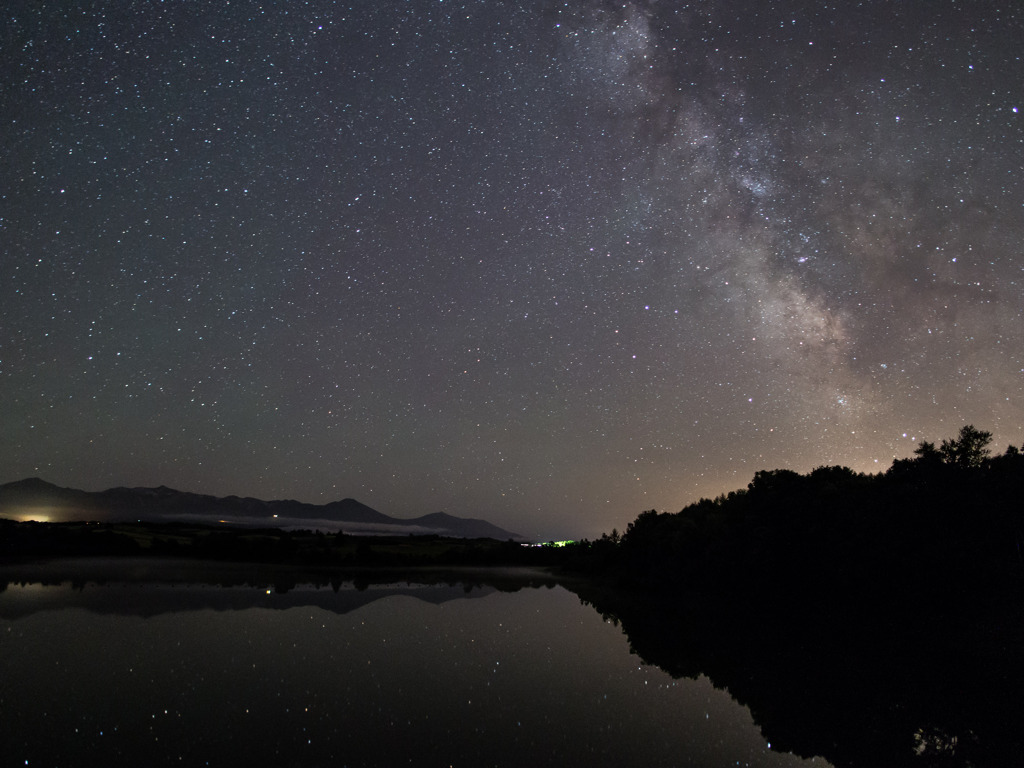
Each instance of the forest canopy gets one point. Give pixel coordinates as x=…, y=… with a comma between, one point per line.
x=949, y=512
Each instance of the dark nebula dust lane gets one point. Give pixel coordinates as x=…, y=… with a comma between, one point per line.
x=549, y=264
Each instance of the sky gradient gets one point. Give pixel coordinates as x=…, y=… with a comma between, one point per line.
x=549, y=264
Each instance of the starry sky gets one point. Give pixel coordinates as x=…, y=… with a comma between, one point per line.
x=546, y=263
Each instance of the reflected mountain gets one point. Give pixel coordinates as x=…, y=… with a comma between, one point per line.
x=928, y=686
x=148, y=588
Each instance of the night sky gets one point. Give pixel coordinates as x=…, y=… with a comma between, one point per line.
x=550, y=264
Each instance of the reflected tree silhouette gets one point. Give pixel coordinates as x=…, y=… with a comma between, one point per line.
x=875, y=620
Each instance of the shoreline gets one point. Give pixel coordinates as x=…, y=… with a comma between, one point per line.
x=156, y=569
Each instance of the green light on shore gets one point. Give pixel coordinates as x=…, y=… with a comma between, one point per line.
x=564, y=543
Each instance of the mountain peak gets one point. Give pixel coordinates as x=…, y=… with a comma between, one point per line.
x=31, y=483
x=163, y=504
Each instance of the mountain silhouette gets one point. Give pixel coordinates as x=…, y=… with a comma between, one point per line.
x=473, y=528
x=36, y=499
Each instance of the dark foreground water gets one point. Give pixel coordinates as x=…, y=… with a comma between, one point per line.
x=386, y=675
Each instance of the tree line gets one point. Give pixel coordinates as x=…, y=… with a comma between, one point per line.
x=946, y=518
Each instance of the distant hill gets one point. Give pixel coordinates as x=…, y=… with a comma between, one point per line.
x=36, y=499
x=472, y=528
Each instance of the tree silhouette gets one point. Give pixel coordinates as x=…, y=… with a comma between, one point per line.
x=969, y=449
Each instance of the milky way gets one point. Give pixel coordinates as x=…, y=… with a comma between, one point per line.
x=550, y=264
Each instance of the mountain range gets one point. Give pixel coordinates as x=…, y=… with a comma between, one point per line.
x=36, y=499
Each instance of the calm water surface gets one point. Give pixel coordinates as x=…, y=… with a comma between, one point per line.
x=388, y=675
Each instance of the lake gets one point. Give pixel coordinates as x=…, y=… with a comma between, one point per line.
x=438, y=674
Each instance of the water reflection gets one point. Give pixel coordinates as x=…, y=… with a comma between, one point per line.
x=863, y=686
x=383, y=675
x=147, y=600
